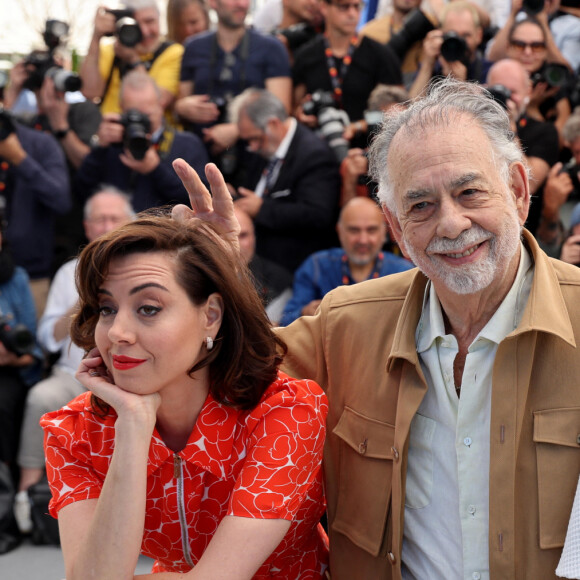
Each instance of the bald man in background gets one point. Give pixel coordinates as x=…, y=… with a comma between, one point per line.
x=362, y=233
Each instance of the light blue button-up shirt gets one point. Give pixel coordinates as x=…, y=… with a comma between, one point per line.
x=447, y=490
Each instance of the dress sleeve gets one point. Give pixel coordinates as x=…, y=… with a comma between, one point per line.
x=77, y=454
x=285, y=441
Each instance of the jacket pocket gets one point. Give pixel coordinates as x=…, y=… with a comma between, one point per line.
x=557, y=438
x=366, y=467
x=419, y=484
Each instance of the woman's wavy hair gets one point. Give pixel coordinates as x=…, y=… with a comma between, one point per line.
x=246, y=352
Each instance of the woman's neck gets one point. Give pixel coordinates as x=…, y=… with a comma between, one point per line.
x=179, y=410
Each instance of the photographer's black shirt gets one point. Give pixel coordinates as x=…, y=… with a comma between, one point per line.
x=372, y=63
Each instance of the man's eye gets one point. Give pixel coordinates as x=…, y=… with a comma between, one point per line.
x=148, y=310
x=419, y=206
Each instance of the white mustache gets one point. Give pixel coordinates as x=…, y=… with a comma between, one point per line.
x=474, y=235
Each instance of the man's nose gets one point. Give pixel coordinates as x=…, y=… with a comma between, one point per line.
x=452, y=219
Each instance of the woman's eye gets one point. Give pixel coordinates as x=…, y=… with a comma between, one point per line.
x=148, y=310
x=105, y=311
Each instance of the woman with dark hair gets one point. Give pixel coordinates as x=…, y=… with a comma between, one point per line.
x=186, y=18
x=191, y=447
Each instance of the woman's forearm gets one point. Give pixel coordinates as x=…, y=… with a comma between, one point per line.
x=111, y=546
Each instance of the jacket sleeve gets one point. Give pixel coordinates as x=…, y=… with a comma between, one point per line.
x=306, y=339
x=44, y=172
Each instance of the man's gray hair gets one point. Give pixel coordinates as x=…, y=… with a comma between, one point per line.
x=112, y=190
x=138, y=80
x=259, y=105
x=571, y=129
x=445, y=102
x=140, y=4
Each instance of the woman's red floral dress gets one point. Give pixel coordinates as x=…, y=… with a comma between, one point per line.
x=263, y=463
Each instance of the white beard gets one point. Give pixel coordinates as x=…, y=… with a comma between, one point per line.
x=475, y=277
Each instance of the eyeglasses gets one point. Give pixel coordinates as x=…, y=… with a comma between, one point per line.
x=346, y=6
x=520, y=45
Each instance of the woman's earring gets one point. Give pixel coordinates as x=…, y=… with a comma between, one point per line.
x=208, y=342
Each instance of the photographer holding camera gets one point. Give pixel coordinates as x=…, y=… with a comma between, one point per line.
x=539, y=141
x=452, y=49
x=137, y=45
x=340, y=67
x=34, y=189
x=292, y=185
x=134, y=150
x=19, y=356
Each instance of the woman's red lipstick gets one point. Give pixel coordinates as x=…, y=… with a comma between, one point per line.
x=124, y=363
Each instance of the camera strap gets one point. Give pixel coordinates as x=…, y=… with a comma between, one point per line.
x=165, y=143
x=118, y=65
x=336, y=76
x=244, y=53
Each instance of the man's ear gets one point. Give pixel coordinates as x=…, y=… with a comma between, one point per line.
x=395, y=228
x=520, y=187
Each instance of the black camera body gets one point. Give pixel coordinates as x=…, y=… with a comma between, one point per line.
x=332, y=121
x=136, y=135
x=41, y=64
x=454, y=48
x=297, y=34
x=554, y=74
x=500, y=94
x=416, y=26
x=7, y=123
x=319, y=100
x=533, y=6
x=221, y=102
x=127, y=29
x=16, y=338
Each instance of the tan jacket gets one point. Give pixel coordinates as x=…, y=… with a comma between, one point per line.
x=360, y=347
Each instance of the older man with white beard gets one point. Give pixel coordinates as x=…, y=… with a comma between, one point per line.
x=453, y=446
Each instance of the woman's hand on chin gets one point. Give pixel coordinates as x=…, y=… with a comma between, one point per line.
x=95, y=376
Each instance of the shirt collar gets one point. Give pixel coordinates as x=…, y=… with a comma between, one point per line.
x=282, y=150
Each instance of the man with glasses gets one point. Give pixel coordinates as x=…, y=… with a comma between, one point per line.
x=292, y=186
x=539, y=141
x=453, y=48
x=217, y=66
x=342, y=65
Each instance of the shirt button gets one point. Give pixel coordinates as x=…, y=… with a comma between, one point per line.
x=392, y=558
x=467, y=441
x=472, y=509
x=395, y=453
x=362, y=448
x=476, y=576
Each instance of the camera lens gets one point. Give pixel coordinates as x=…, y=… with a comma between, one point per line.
x=454, y=47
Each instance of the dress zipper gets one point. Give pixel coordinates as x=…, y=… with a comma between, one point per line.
x=178, y=474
